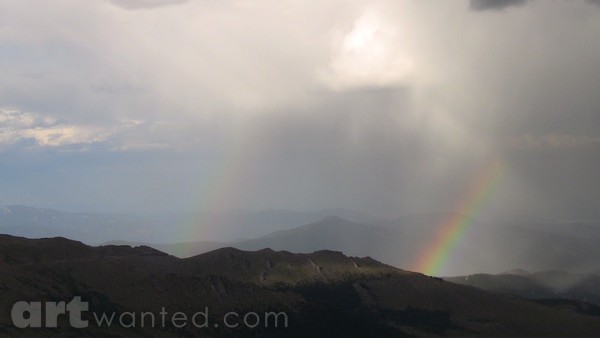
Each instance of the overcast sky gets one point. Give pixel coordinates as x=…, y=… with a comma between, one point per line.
x=388, y=107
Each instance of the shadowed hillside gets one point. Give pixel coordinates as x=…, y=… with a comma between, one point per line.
x=540, y=285
x=325, y=293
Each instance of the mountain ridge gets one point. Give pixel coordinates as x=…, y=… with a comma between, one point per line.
x=325, y=294
x=584, y=287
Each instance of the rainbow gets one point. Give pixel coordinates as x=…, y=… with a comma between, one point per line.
x=221, y=186
x=452, y=229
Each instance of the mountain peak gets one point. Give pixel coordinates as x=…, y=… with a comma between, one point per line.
x=518, y=272
x=334, y=219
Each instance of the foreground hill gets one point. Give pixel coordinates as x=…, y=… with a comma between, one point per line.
x=324, y=294
x=540, y=285
x=181, y=249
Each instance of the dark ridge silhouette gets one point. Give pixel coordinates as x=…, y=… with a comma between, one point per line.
x=324, y=294
x=540, y=285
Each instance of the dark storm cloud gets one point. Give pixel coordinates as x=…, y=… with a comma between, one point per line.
x=350, y=121
x=140, y=4
x=595, y=2
x=356, y=149
x=481, y=5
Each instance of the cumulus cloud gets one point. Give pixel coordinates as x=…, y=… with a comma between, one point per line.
x=16, y=126
x=126, y=135
x=61, y=135
x=369, y=54
x=481, y=5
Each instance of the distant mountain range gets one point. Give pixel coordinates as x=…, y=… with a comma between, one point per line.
x=96, y=228
x=486, y=247
x=540, y=285
x=323, y=294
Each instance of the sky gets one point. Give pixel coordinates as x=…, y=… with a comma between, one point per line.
x=387, y=107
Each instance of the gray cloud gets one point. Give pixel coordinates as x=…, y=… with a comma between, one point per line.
x=141, y=4
x=481, y=5
x=554, y=140
x=387, y=107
